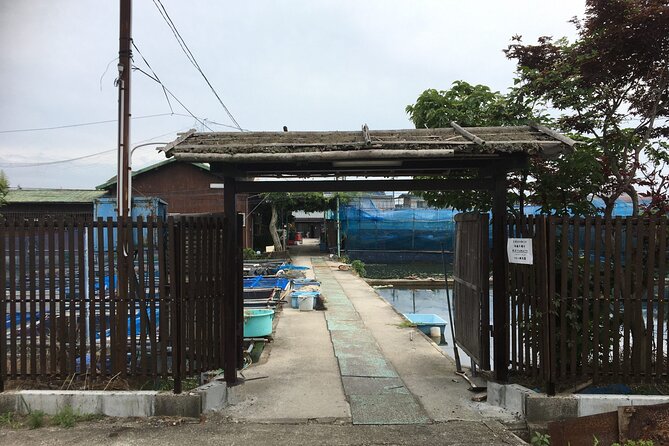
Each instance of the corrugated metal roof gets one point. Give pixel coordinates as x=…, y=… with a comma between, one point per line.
x=53, y=195
x=112, y=181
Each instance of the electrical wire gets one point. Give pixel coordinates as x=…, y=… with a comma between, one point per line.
x=156, y=76
x=191, y=58
x=70, y=160
x=136, y=68
x=83, y=124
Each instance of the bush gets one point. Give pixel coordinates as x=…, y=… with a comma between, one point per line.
x=65, y=417
x=359, y=267
x=35, y=419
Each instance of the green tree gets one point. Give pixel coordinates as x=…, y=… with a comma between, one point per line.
x=610, y=85
x=282, y=203
x=4, y=188
x=559, y=186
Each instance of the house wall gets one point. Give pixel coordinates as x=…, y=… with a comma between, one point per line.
x=187, y=190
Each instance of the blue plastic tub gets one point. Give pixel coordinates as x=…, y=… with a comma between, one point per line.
x=295, y=297
x=258, y=323
x=425, y=321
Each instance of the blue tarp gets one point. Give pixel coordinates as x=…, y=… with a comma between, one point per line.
x=266, y=282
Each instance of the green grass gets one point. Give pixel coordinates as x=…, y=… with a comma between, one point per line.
x=35, y=419
x=10, y=420
x=406, y=324
x=66, y=417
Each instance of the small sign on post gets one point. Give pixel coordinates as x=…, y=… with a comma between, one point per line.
x=519, y=250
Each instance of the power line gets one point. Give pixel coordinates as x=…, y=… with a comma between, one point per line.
x=83, y=124
x=173, y=96
x=224, y=125
x=156, y=76
x=49, y=163
x=70, y=160
x=191, y=58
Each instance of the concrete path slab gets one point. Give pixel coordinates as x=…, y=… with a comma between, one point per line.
x=352, y=362
x=300, y=377
x=423, y=367
x=362, y=364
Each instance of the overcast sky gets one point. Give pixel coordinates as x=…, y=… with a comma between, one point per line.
x=309, y=65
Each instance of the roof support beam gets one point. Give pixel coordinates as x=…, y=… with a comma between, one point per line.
x=364, y=185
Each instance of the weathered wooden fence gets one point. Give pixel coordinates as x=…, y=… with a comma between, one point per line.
x=98, y=298
x=594, y=303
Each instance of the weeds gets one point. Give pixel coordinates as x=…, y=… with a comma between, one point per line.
x=359, y=267
x=35, y=419
x=65, y=417
x=539, y=439
x=9, y=419
x=406, y=324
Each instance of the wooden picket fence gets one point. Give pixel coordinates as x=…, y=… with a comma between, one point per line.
x=100, y=298
x=594, y=303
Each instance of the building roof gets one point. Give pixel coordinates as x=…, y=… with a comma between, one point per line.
x=112, y=181
x=53, y=195
x=384, y=151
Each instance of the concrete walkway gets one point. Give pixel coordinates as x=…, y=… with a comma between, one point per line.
x=356, y=363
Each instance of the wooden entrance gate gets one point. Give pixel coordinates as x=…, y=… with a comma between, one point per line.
x=471, y=288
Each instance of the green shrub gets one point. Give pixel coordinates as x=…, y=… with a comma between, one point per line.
x=359, y=267
x=35, y=419
x=539, y=439
x=9, y=419
x=66, y=417
x=250, y=254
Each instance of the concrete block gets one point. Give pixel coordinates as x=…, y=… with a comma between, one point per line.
x=515, y=398
x=496, y=394
x=237, y=394
x=48, y=401
x=128, y=404
x=7, y=402
x=509, y=396
x=213, y=395
x=647, y=400
x=183, y=405
x=550, y=408
x=596, y=404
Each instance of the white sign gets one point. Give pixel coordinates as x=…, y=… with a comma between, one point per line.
x=519, y=250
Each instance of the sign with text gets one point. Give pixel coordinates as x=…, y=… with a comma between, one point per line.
x=519, y=250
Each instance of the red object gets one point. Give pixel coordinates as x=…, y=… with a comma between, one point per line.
x=298, y=237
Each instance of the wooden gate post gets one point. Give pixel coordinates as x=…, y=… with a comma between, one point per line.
x=230, y=305
x=499, y=278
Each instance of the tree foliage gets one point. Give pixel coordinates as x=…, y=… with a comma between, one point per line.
x=561, y=186
x=283, y=203
x=4, y=188
x=468, y=105
x=611, y=86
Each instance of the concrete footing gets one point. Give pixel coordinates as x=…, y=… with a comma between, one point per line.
x=537, y=407
x=207, y=398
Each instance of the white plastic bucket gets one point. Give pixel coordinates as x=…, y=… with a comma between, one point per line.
x=306, y=303
x=435, y=334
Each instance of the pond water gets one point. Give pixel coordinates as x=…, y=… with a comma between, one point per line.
x=425, y=301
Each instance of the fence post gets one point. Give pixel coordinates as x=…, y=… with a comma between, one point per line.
x=175, y=259
x=499, y=279
x=3, y=306
x=542, y=263
x=231, y=307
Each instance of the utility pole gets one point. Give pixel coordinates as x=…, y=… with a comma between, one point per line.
x=124, y=69
x=124, y=267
